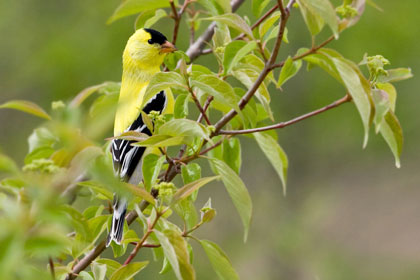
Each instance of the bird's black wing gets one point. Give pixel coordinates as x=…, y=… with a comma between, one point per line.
x=125, y=156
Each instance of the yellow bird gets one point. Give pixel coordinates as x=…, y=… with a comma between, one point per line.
x=142, y=58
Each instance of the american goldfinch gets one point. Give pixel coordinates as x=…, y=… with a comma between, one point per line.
x=142, y=58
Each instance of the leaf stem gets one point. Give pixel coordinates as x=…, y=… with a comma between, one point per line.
x=308, y=52
x=52, y=268
x=336, y=103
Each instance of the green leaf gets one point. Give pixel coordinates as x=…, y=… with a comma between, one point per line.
x=78, y=221
x=141, y=192
x=315, y=9
x=162, y=81
x=313, y=21
x=322, y=61
x=258, y=6
x=84, y=94
x=268, y=23
x=395, y=75
x=103, y=104
x=190, y=172
x=99, y=271
x=181, y=106
x=172, y=59
x=391, y=91
x=207, y=212
x=175, y=250
x=39, y=153
x=234, y=21
x=382, y=105
x=93, y=211
x=234, y=52
x=247, y=75
x=232, y=153
x=164, y=141
x=98, y=188
x=152, y=164
x=186, y=210
x=237, y=192
x=221, y=90
x=126, y=272
x=359, y=6
x=275, y=155
x=392, y=133
x=7, y=165
x=27, y=107
x=373, y=4
x=220, y=262
x=85, y=276
x=289, y=69
x=216, y=7
x=96, y=226
x=188, y=189
x=131, y=7
x=110, y=264
x=149, y=18
x=47, y=242
x=184, y=127
x=354, y=86
x=131, y=135
x=41, y=137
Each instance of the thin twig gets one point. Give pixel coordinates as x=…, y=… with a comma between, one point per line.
x=203, y=152
x=52, y=268
x=336, y=103
x=177, y=17
x=200, y=108
x=205, y=107
x=308, y=52
x=248, y=95
x=140, y=243
x=258, y=22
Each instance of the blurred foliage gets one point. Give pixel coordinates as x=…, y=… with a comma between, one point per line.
x=64, y=52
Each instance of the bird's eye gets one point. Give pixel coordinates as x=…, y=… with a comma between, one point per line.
x=150, y=41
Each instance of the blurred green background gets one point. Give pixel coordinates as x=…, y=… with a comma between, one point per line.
x=348, y=213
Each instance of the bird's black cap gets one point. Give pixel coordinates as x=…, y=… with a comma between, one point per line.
x=157, y=37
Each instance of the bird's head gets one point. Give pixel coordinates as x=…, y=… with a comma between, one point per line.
x=148, y=47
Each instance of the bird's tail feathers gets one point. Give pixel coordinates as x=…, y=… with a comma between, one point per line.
x=117, y=226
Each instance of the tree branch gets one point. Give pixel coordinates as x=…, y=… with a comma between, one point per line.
x=92, y=255
x=336, y=103
x=200, y=108
x=248, y=95
x=177, y=17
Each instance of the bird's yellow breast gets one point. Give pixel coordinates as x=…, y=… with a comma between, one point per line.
x=130, y=100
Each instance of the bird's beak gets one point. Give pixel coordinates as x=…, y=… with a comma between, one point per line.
x=167, y=47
